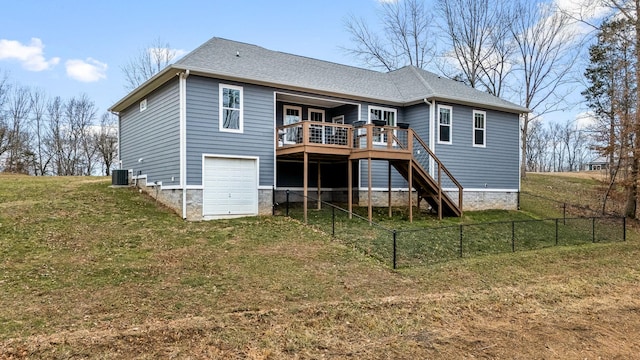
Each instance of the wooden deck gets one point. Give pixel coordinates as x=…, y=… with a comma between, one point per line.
x=402, y=148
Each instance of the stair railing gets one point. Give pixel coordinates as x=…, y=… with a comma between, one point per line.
x=422, y=156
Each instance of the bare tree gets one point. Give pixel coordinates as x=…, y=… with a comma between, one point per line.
x=18, y=139
x=38, y=103
x=478, y=36
x=544, y=46
x=80, y=113
x=148, y=62
x=106, y=140
x=4, y=130
x=54, y=134
x=406, y=39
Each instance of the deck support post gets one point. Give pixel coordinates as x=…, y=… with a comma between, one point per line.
x=389, y=183
x=319, y=188
x=350, y=187
x=410, y=191
x=305, y=185
x=369, y=192
x=439, y=191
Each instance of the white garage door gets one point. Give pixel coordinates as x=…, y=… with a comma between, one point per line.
x=230, y=187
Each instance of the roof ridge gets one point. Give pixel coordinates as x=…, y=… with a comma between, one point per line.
x=422, y=79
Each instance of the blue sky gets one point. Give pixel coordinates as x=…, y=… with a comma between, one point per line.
x=70, y=47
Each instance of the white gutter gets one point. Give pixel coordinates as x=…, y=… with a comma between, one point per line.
x=183, y=139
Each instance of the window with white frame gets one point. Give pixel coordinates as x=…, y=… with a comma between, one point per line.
x=316, y=115
x=388, y=115
x=444, y=124
x=479, y=128
x=231, y=111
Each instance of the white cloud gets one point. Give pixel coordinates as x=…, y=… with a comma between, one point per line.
x=31, y=56
x=89, y=70
x=583, y=9
x=584, y=120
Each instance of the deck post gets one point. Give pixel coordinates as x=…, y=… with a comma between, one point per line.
x=319, y=188
x=350, y=187
x=305, y=181
x=410, y=191
x=369, y=193
x=439, y=190
x=389, y=183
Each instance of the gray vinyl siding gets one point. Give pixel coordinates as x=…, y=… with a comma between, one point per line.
x=492, y=167
x=154, y=136
x=204, y=137
x=418, y=118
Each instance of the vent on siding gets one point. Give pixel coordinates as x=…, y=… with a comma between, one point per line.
x=143, y=105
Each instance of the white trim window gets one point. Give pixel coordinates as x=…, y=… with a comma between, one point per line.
x=445, y=126
x=316, y=115
x=388, y=115
x=231, y=108
x=479, y=128
x=338, y=119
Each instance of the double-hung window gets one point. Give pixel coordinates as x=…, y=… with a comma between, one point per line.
x=444, y=124
x=231, y=117
x=479, y=128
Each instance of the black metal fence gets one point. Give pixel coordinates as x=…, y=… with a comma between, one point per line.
x=420, y=246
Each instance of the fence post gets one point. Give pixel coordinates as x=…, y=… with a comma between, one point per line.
x=273, y=201
x=564, y=213
x=333, y=221
x=394, y=248
x=513, y=236
x=556, y=231
x=593, y=229
x=518, y=200
x=460, y=240
x=624, y=228
x=287, y=207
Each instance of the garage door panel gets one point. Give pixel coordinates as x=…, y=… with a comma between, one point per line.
x=230, y=187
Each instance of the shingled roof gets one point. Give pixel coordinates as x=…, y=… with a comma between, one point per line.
x=243, y=62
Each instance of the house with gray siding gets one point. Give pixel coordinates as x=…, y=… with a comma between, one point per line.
x=231, y=126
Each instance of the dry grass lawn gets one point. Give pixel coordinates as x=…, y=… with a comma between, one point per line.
x=87, y=271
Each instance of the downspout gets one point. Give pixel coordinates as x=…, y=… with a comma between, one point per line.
x=432, y=133
x=183, y=139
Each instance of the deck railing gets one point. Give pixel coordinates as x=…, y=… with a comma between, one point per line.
x=371, y=138
x=314, y=133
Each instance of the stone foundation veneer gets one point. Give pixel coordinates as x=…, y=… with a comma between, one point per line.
x=473, y=200
x=172, y=198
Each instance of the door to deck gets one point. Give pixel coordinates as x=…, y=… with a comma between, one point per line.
x=292, y=115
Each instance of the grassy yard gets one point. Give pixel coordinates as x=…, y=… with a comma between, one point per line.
x=87, y=271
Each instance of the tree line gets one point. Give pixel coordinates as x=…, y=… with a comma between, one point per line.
x=49, y=135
